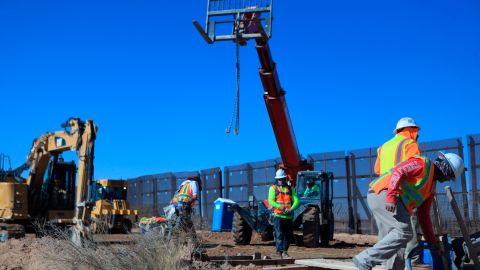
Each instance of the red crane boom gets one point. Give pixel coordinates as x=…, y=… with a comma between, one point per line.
x=276, y=103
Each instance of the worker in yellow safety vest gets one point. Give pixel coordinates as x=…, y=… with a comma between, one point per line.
x=284, y=201
x=400, y=148
x=393, y=196
x=184, y=201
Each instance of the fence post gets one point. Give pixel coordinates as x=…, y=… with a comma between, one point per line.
x=354, y=195
x=250, y=179
x=373, y=224
x=466, y=213
x=226, y=178
x=155, y=201
x=473, y=176
x=351, y=218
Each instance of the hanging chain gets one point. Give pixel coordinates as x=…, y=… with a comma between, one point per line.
x=237, y=98
x=236, y=106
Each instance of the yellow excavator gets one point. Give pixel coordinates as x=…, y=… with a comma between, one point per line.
x=54, y=190
x=111, y=211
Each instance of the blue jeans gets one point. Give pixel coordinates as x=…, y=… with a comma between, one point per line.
x=283, y=233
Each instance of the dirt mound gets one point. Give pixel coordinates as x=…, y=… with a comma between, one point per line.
x=17, y=254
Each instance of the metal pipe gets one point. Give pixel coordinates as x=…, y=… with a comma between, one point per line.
x=463, y=228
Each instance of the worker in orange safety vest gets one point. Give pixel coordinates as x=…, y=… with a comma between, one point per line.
x=400, y=148
x=395, y=195
x=284, y=201
x=184, y=201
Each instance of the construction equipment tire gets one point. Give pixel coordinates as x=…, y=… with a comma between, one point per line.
x=127, y=226
x=242, y=232
x=311, y=227
x=324, y=234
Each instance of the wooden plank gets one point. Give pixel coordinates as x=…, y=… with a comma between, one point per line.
x=257, y=262
x=330, y=264
x=291, y=267
x=229, y=258
x=327, y=264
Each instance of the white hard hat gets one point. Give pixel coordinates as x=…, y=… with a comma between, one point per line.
x=455, y=161
x=280, y=174
x=405, y=122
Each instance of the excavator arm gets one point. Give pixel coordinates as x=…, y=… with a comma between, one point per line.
x=78, y=136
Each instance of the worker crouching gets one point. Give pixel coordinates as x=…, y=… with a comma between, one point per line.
x=184, y=201
x=392, y=198
x=284, y=201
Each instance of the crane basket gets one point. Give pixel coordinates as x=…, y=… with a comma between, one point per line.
x=237, y=20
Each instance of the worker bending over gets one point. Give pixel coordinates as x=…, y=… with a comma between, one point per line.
x=393, y=197
x=400, y=148
x=184, y=201
x=284, y=201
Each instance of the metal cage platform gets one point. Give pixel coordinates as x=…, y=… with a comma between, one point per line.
x=237, y=20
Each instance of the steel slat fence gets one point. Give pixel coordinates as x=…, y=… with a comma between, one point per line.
x=353, y=172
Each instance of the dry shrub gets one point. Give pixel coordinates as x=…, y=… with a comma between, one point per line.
x=146, y=252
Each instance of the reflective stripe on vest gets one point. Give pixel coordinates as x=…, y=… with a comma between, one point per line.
x=283, y=198
x=184, y=194
x=413, y=191
x=393, y=152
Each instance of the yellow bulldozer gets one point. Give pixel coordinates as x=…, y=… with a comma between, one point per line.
x=111, y=212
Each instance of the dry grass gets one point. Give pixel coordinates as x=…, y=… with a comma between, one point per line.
x=147, y=252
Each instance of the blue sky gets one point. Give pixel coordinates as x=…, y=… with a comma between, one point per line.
x=162, y=97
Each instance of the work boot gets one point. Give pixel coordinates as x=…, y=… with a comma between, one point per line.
x=279, y=254
x=360, y=265
x=285, y=255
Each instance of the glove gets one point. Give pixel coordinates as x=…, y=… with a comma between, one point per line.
x=391, y=207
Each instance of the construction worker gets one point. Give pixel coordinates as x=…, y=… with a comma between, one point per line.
x=312, y=189
x=284, y=201
x=392, y=198
x=401, y=147
x=184, y=201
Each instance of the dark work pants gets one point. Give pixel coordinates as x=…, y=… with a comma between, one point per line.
x=184, y=217
x=283, y=232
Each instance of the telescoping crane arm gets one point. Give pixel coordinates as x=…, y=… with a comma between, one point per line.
x=78, y=136
x=252, y=20
x=276, y=103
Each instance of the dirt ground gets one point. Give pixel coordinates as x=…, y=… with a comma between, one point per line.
x=18, y=254
x=344, y=247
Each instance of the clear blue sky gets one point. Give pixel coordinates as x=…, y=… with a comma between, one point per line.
x=162, y=97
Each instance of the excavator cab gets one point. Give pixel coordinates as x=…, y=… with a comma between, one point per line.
x=315, y=191
x=58, y=190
